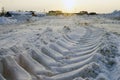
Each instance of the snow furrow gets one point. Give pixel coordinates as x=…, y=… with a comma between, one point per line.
x=47, y=53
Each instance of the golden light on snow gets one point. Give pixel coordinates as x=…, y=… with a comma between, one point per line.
x=69, y=5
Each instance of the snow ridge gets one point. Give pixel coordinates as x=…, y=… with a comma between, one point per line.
x=73, y=55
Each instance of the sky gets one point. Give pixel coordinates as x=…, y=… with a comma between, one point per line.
x=100, y=6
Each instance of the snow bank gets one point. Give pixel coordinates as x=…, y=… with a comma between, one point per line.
x=20, y=17
x=5, y=20
x=114, y=15
x=19, y=13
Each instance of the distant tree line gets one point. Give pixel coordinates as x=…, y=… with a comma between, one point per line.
x=57, y=12
x=2, y=13
x=86, y=13
x=52, y=12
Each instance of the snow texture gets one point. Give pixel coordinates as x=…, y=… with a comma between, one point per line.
x=59, y=48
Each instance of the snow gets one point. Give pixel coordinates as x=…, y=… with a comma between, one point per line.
x=114, y=15
x=20, y=17
x=59, y=48
x=19, y=13
x=4, y=20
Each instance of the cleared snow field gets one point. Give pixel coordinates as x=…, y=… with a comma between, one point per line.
x=60, y=48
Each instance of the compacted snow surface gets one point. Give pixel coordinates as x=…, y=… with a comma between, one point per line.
x=60, y=48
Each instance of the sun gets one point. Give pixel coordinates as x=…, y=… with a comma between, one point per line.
x=69, y=5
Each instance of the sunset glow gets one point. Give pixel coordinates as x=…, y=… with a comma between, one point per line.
x=63, y=5
x=69, y=5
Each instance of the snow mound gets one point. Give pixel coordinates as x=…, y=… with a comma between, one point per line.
x=5, y=20
x=114, y=15
x=20, y=17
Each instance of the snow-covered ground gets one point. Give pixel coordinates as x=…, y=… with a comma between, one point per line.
x=60, y=48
